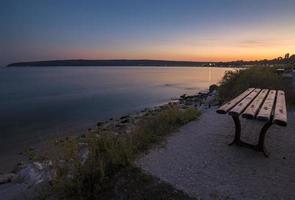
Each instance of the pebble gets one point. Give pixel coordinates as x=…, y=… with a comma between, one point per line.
x=6, y=178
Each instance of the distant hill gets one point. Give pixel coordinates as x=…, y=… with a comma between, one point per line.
x=286, y=60
x=106, y=63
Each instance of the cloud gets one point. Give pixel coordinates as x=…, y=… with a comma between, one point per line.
x=262, y=43
x=238, y=43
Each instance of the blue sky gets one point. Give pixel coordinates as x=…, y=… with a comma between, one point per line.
x=162, y=29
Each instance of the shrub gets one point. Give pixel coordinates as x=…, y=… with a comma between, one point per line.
x=235, y=82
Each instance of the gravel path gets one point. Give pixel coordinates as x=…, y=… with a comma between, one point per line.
x=198, y=160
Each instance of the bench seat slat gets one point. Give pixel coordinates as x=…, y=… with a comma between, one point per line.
x=266, y=110
x=280, y=114
x=226, y=107
x=252, y=110
x=240, y=107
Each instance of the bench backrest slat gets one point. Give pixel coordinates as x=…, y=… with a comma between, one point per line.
x=242, y=105
x=252, y=110
x=280, y=114
x=267, y=107
x=226, y=107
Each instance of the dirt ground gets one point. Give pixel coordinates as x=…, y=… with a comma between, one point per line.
x=198, y=161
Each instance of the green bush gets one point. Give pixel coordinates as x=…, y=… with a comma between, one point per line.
x=235, y=82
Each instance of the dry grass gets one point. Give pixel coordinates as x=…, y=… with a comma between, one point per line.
x=108, y=153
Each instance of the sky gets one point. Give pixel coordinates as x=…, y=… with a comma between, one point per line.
x=197, y=30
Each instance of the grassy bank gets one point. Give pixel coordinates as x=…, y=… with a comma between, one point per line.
x=235, y=82
x=85, y=167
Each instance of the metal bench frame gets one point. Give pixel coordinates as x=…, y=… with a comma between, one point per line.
x=260, y=145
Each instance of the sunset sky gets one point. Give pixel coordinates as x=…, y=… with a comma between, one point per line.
x=208, y=30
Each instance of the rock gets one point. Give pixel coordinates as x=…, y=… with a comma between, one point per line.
x=35, y=173
x=6, y=178
x=212, y=88
x=38, y=165
x=84, y=153
x=183, y=96
x=126, y=120
x=98, y=124
x=120, y=125
x=124, y=117
x=20, y=164
x=214, y=92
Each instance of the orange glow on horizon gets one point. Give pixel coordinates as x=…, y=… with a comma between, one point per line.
x=218, y=50
x=206, y=57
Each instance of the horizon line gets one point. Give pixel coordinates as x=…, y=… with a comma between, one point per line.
x=141, y=59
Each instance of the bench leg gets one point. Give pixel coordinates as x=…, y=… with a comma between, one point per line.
x=260, y=145
x=237, y=130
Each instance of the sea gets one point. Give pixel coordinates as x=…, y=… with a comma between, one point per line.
x=38, y=103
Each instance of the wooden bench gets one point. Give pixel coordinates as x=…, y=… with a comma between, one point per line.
x=256, y=104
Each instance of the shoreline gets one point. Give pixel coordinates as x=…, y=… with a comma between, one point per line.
x=122, y=125
x=13, y=158
x=33, y=177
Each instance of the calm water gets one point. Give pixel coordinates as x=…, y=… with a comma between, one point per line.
x=36, y=103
